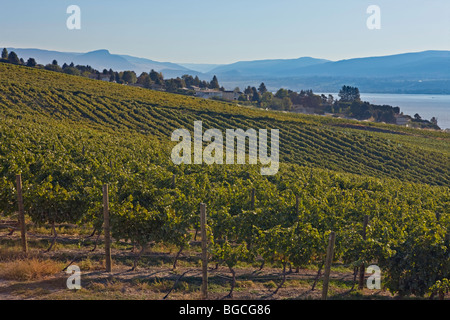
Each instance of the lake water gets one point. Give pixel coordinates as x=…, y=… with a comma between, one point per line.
x=426, y=105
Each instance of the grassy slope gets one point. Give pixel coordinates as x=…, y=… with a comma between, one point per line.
x=336, y=144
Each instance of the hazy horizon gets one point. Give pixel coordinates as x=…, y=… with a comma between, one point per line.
x=231, y=31
x=212, y=63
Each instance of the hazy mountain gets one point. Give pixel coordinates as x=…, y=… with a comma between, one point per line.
x=419, y=72
x=266, y=67
x=103, y=59
x=200, y=67
x=45, y=56
x=421, y=64
x=426, y=64
x=169, y=69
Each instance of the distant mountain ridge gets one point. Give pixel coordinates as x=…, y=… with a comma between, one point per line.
x=267, y=67
x=103, y=59
x=421, y=64
x=200, y=67
x=417, y=72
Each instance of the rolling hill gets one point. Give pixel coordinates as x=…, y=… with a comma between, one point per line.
x=28, y=96
x=382, y=190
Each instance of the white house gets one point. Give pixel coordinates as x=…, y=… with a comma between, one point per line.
x=231, y=95
x=402, y=120
x=208, y=93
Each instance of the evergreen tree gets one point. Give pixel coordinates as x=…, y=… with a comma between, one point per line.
x=156, y=77
x=31, y=62
x=255, y=95
x=160, y=79
x=4, y=54
x=13, y=58
x=147, y=82
x=262, y=88
x=214, y=84
x=143, y=78
x=330, y=99
x=196, y=81
x=153, y=75
x=349, y=94
x=117, y=77
x=188, y=80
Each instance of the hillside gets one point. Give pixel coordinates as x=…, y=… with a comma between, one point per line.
x=340, y=145
x=69, y=136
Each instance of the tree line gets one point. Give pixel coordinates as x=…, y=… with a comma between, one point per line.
x=148, y=80
x=349, y=103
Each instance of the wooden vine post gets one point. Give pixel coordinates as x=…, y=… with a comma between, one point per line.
x=362, y=268
x=106, y=229
x=253, y=199
x=204, y=251
x=328, y=261
x=23, y=228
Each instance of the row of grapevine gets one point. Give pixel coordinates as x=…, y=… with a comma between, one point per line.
x=68, y=137
x=409, y=157
x=287, y=225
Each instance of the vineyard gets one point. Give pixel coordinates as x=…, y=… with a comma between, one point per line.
x=68, y=136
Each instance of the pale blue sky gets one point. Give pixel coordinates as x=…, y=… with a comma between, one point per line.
x=209, y=31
